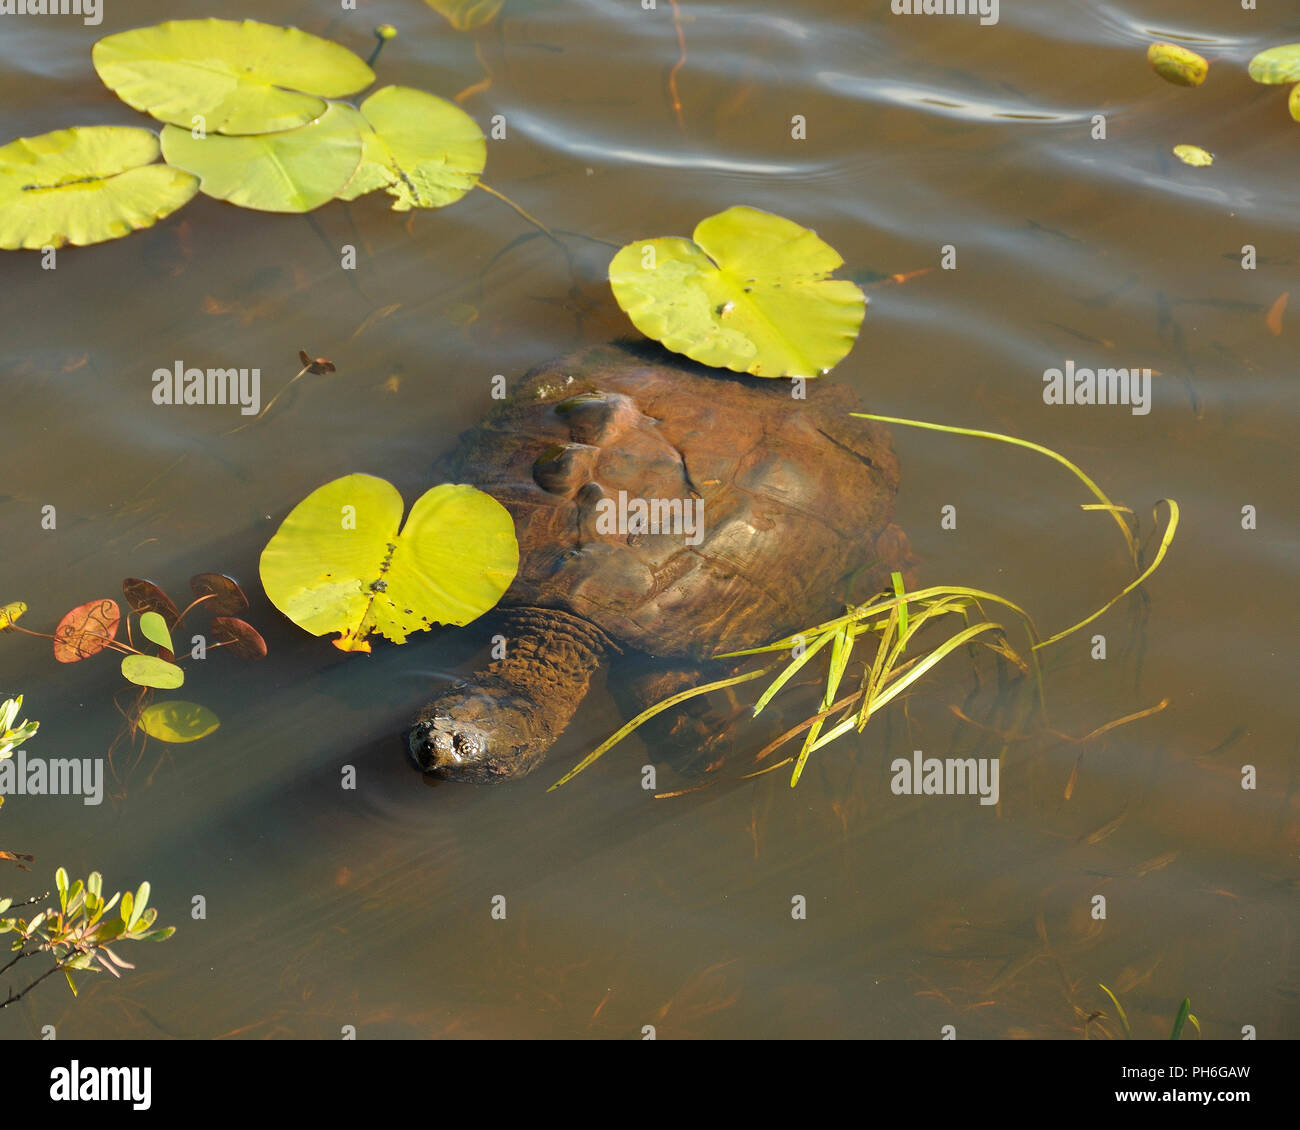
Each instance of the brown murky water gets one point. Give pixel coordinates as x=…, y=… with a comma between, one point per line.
x=371, y=907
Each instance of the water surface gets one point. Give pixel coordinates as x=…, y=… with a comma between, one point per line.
x=371, y=907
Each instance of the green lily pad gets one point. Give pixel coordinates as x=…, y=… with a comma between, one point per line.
x=338, y=564
x=177, y=721
x=750, y=293
x=150, y=671
x=240, y=77
x=1177, y=64
x=423, y=150
x=291, y=171
x=1277, y=64
x=1193, y=155
x=85, y=185
x=466, y=15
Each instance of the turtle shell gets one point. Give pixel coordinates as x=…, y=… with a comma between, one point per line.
x=790, y=496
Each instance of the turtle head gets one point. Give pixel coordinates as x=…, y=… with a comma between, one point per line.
x=478, y=734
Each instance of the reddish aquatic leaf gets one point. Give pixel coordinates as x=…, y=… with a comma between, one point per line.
x=224, y=596
x=242, y=638
x=145, y=596
x=316, y=365
x=86, y=630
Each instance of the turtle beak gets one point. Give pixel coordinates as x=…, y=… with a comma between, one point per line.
x=419, y=745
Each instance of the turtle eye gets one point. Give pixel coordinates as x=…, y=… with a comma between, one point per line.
x=467, y=746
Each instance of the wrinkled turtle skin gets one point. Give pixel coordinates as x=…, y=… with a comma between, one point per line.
x=796, y=496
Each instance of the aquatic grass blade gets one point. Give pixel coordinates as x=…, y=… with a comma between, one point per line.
x=646, y=715
x=1096, y=491
x=1170, y=530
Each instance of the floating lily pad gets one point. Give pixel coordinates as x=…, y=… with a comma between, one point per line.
x=150, y=671
x=223, y=595
x=423, y=150
x=338, y=564
x=292, y=171
x=1277, y=64
x=750, y=293
x=177, y=721
x=1293, y=103
x=466, y=15
x=240, y=77
x=240, y=637
x=84, y=186
x=154, y=628
x=86, y=630
x=144, y=596
x=1177, y=64
x=1193, y=155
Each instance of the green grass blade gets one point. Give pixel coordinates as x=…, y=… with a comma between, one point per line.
x=646, y=715
x=1119, y=1008
x=1184, y=1011
x=792, y=668
x=896, y=579
x=1096, y=491
x=1170, y=530
x=900, y=685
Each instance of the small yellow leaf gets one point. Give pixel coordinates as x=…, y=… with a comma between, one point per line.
x=11, y=613
x=1177, y=64
x=1193, y=155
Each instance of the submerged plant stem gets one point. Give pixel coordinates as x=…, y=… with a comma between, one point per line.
x=526, y=215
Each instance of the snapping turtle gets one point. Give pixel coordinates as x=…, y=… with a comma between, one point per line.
x=661, y=507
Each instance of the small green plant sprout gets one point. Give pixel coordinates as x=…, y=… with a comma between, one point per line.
x=749, y=292
x=11, y=736
x=889, y=627
x=93, y=627
x=78, y=935
x=1182, y=1017
x=85, y=185
x=338, y=564
x=1177, y=64
x=1280, y=65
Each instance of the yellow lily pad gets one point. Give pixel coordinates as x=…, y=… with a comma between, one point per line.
x=291, y=171
x=423, y=150
x=750, y=293
x=240, y=77
x=338, y=564
x=85, y=185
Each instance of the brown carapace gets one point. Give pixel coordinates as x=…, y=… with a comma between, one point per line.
x=663, y=508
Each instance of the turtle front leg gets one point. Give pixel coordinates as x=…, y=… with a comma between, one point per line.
x=707, y=728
